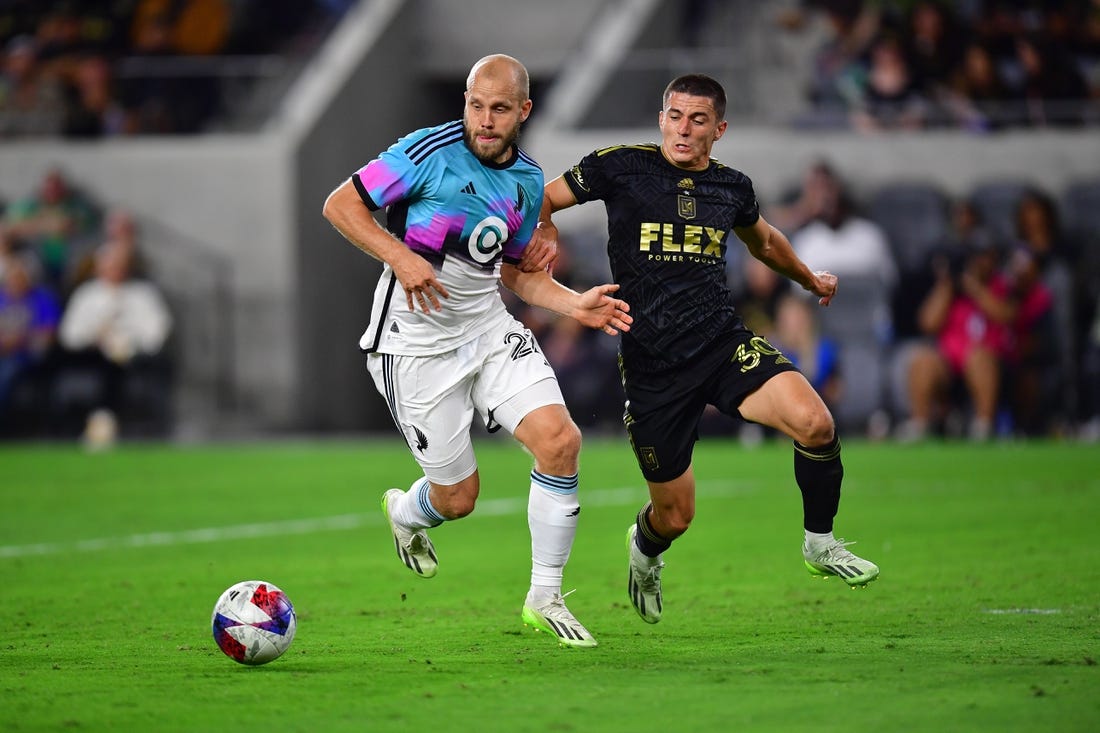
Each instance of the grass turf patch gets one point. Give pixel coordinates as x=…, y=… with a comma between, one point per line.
x=985, y=616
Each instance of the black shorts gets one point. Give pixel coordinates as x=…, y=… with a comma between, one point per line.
x=663, y=409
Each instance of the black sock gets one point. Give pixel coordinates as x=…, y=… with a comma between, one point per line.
x=646, y=538
x=819, y=473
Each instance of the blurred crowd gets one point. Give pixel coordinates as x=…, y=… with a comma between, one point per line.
x=978, y=64
x=98, y=68
x=84, y=334
x=975, y=318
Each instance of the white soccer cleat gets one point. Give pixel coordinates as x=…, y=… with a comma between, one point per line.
x=644, y=582
x=552, y=617
x=413, y=547
x=835, y=559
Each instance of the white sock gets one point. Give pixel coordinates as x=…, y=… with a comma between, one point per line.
x=414, y=509
x=818, y=541
x=552, y=510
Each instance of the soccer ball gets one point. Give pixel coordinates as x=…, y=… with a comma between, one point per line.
x=253, y=622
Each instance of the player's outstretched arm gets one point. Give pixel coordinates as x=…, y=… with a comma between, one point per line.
x=771, y=246
x=594, y=307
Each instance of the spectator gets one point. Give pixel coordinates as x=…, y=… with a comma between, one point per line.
x=967, y=233
x=114, y=325
x=967, y=312
x=977, y=98
x=840, y=241
x=55, y=221
x=933, y=45
x=891, y=98
x=29, y=314
x=1039, y=233
x=1052, y=87
x=810, y=202
x=837, y=69
x=31, y=101
x=93, y=108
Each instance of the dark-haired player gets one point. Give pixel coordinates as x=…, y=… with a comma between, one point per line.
x=672, y=212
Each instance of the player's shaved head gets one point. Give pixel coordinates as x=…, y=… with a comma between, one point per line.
x=497, y=69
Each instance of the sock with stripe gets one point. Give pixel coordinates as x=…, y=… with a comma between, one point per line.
x=817, y=541
x=552, y=511
x=819, y=473
x=414, y=509
x=646, y=538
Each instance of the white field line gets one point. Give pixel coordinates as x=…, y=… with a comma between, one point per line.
x=338, y=523
x=1024, y=611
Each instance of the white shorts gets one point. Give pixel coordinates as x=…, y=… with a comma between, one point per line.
x=502, y=374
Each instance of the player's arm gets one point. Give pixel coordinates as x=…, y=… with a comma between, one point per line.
x=594, y=307
x=771, y=246
x=543, y=249
x=347, y=213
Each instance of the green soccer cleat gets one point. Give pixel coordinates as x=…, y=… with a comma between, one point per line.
x=413, y=547
x=644, y=580
x=555, y=619
x=834, y=559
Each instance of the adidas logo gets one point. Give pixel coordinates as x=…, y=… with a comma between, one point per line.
x=394, y=328
x=469, y=188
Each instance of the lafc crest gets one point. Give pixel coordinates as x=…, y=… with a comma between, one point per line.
x=685, y=204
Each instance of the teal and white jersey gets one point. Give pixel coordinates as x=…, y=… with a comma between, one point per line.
x=461, y=214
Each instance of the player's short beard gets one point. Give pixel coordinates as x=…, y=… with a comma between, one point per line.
x=505, y=144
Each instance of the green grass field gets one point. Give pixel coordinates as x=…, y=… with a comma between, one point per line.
x=985, y=616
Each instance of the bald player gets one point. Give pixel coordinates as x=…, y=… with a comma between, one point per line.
x=462, y=202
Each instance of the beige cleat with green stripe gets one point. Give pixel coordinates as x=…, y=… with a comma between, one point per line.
x=835, y=559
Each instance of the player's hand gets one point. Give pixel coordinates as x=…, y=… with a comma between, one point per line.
x=417, y=277
x=597, y=309
x=824, y=286
x=542, y=251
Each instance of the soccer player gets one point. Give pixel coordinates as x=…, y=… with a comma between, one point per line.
x=670, y=211
x=463, y=202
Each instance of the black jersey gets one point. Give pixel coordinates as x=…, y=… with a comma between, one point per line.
x=668, y=231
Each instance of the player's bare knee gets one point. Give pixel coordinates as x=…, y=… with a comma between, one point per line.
x=457, y=506
x=456, y=501
x=557, y=451
x=677, y=527
x=816, y=428
x=672, y=522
